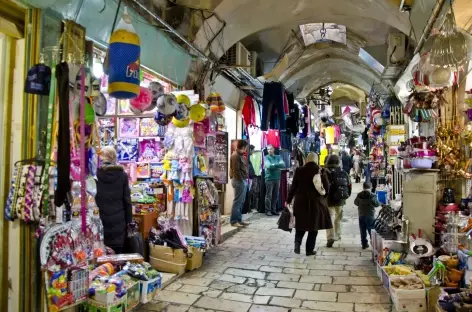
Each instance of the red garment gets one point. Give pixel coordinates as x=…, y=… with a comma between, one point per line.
x=286, y=108
x=272, y=137
x=248, y=112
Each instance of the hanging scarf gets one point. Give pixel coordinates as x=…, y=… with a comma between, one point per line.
x=83, y=194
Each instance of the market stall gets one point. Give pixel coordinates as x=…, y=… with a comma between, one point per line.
x=421, y=243
x=116, y=171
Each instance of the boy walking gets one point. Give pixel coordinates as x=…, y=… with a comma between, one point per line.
x=366, y=203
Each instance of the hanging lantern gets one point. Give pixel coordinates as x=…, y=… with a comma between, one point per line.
x=449, y=49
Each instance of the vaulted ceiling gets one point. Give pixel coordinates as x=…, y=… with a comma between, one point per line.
x=269, y=26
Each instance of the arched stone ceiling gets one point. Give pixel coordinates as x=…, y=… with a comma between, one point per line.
x=246, y=17
x=368, y=23
x=341, y=90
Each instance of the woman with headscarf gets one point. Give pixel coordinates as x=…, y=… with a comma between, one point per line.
x=310, y=208
x=113, y=199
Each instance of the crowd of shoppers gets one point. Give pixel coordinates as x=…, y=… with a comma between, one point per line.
x=313, y=210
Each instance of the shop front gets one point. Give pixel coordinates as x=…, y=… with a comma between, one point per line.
x=172, y=147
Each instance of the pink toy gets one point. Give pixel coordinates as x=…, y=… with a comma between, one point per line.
x=129, y=128
x=143, y=170
x=185, y=168
x=148, y=150
x=143, y=101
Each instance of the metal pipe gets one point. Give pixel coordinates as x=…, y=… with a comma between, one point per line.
x=429, y=25
x=172, y=30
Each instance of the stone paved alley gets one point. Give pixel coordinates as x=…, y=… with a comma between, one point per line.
x=256, y=270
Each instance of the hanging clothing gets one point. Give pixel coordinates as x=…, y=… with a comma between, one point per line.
x=272, y=137
x=254, y=193
x=273, y=106
x=283, y=187
x=257, y=110
x=329, y=135
x=248, y=111
x=293, y=119
x=304, y=125
x=256, y=161
x=63, y=137
x=285, y=155
x=286, y=107
x=255, y=137
x=286, y=140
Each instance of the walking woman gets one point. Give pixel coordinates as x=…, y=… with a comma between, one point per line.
x=310, y=208
x=113, y=199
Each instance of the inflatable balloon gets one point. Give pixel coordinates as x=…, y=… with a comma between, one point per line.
x=166, y=104
x=161, y=119
x=197, y=112
x=142, y=101
x=100, y=105
x=180, y=123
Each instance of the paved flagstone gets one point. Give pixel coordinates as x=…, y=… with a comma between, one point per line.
x=256, y=271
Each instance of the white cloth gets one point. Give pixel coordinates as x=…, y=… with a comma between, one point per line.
x=255, y=138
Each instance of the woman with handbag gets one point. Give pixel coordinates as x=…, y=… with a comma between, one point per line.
x=113, y=199
x=310, y=207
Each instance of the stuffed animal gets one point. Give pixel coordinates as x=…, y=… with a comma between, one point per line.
x=174, y=168
x=167, y=166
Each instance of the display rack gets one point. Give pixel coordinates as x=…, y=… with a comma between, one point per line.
x=207, y=220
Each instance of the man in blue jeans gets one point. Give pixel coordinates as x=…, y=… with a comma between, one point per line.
x=366, y=203
x=239, y=174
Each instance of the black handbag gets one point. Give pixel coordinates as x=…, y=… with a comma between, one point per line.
x=134, y=244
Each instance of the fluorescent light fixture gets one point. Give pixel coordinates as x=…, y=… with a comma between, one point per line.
x=372, y=62
x=312, y=33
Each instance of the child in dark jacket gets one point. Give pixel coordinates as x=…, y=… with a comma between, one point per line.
x=366, y=203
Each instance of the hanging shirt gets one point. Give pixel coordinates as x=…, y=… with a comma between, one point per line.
x=256, y=161
x=272, y=137
x=286, y=106
x=255, y=138
x=329, y=135
x=248, y=111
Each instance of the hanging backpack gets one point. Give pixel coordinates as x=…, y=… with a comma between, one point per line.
x=340, y=185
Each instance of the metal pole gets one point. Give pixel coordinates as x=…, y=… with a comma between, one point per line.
x=429, y=25
x=172, y=30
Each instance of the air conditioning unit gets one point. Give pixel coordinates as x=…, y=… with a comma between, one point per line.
x=238, y=55
x=396, y=49
x=254, y=59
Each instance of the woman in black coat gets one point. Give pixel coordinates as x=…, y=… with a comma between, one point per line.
x=113, y=199
x=310, y=208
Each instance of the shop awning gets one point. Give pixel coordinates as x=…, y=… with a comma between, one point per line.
x=159, y=52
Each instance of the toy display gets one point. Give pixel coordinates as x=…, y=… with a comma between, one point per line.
x=208, y=211
x=128, y=128
x=127, y=150
x=148, y=128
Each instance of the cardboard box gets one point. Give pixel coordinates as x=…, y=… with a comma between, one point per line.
x=118, y=305
x=195, y=258
x=166, y=259
x=133, y=294
x=407, y=294
x=150, y=288
x=409, y=305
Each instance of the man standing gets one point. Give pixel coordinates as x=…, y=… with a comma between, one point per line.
x=273, y=165
x=339, y=190
x=239, y=177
